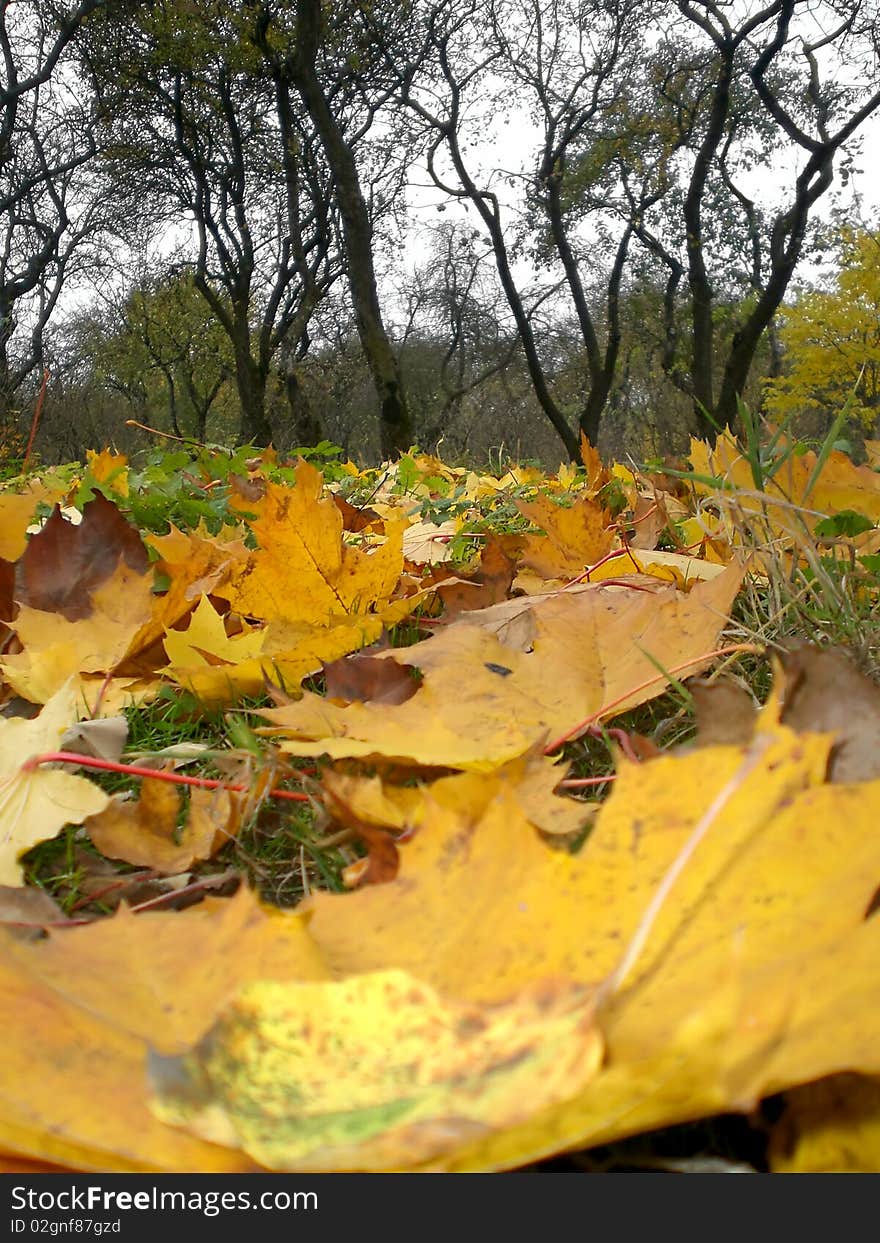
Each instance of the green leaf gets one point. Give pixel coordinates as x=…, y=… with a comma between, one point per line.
x=845, y=523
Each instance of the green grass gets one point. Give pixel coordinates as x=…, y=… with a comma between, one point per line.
x=278, y=849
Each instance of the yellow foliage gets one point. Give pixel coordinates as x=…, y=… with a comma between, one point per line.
x=832, y=340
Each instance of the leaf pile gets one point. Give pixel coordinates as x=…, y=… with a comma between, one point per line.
x=517, y=972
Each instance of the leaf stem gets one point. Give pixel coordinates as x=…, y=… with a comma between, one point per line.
x=138, y=770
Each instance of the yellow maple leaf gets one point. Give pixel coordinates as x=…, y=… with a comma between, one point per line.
x=144, y=831
x=303, y=570
x=110, y=469
x=576, y=536
x=485, y=699
x=218, y=668
x=534, y=777
x=195, y=564
x=16, y=513
x=205, y=641
x=797, y=495
x=120, y=986
x=755, y=971
x=755, y=974
x=36, y=803
x=55, y=648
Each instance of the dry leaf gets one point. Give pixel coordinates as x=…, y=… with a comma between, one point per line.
x=36, y=803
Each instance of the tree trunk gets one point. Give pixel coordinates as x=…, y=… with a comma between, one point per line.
x=306, y=424
x=395, y=424
x=254, y=427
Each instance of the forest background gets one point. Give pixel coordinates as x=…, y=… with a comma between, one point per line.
x=489, y=226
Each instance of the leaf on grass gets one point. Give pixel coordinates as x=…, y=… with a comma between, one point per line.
x=218, y=668
x=110, y=469
x=786, y=501
x=356, y=518
x=481, y=702
x=303, y=571
x=489, y=584
x=144, y=831
x=404, y=808
x=88, y=1005
x=194, y=565
x=426, y=543
x=759, y=973
x=56, y=648
x=575, y=536
x=756, y=975
x=36, y=803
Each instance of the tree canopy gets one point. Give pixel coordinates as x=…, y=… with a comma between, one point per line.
x=621, y=262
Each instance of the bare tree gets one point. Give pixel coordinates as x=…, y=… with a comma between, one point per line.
x=564, y=61
x=197, y=130
x=305, y=56
x=744, y=89
x=50, y=210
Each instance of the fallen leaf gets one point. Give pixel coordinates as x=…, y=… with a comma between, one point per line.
x=770, y=910
x=56, y=648
x=103, y=738
x=724, y=710
x=356, y=518
x=63, y=563
x=16, y=512
x=109, y=469
x=88, y=1005
x=367, y=679
x=481, y=702
x=144, y=831
x=36, y=803
x=575, y=536
x=303, y=571
x=820, y=690
x=829, y=1127
x=489, y=584
x=274, y=1076
x=26, y=912
x=426, y=543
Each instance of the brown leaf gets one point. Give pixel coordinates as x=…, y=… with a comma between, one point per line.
x=725, y=712
x=648, y=521
x=368, y=679
x=825, y=692
x=488, y=585
x=145, y=832
x=248, y=489
x=821, y=692
x=26, y=912
x=381, y=862
x=355, y=519
x=63, y=563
